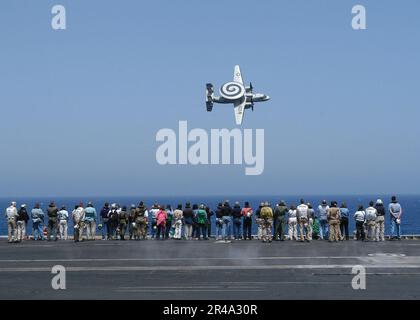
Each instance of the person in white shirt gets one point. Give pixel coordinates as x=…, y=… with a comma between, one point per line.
x=371, y=215
x=302, y=216
x=78, y=216
x=63, y=218
x=178, y=222
x=11, y=216
x=359, y=217
x=292, y=221
x=153, y=213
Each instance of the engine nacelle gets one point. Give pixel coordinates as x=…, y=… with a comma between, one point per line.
x=232, y=90
x=249, y=105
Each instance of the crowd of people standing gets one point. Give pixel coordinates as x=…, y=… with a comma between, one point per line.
x=137, y=222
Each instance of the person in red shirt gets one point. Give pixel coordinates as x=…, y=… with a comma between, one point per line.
x=161, y=218
x=247, y=221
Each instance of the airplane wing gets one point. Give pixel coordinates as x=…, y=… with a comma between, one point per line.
x=239, y=111
x=237, y=75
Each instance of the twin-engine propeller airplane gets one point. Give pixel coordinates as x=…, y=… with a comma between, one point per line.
x=235, y=92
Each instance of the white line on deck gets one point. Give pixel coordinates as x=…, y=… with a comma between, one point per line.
x=188, y=290
x=181, y=259
x=197, y=268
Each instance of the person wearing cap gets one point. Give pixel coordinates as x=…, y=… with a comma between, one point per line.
x=247, y=221
x=267, y=226
x=63, y=218
x=11, y=216
x=141, y=220
x=90, y=221
x=259, y=221
x=303, y=220
x=360, y=217
x=105, y=227
x=237, y=221
x=311, y=221
x=323, y=220
x=380, y=220
x=37, y=215
x=292, y=222
x=153, y=213
x=118, y=230
x=280, y=221
x=131, y=221
x=114, y=221
x=122, y=222
x=52, y=221
x=188, y=215
x=227, y=221
x=219, y=221
x=208, y=225
x=169, y=220
x=344, y=222
x=195, y=224
x=395, y=211
x=178, y=215
x=333, y=216
x=371, y=215
x=78, y=216
x=22, y=221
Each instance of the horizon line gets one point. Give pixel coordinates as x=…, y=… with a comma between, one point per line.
x=213, y=195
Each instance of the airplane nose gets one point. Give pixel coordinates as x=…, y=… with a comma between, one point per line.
x=267, y=97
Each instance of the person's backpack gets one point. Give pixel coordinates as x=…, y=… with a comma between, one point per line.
x=123, y=216
x=265, y=213
x=247, y=212
x=201, y=217
x=132, y=215
x=370, y=214
x=114, y=215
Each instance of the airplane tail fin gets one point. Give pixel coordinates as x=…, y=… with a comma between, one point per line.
x=209, y=96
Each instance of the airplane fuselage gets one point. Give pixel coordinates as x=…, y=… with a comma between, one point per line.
x=253, y=97
x=250, y=99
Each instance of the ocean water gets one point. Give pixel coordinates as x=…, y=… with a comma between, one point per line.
x=410, y=223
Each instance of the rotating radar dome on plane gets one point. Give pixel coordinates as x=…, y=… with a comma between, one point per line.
x=232, y=90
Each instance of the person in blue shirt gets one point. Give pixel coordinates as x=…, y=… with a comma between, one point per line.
x=169, y=220
x=395, y=211
x=90, y=221
x=237, y=220
x=323, y=221
x=37, y=216
x=104, y=225
x=344, y=222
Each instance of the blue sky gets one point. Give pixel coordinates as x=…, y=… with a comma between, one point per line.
x=80, y=108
